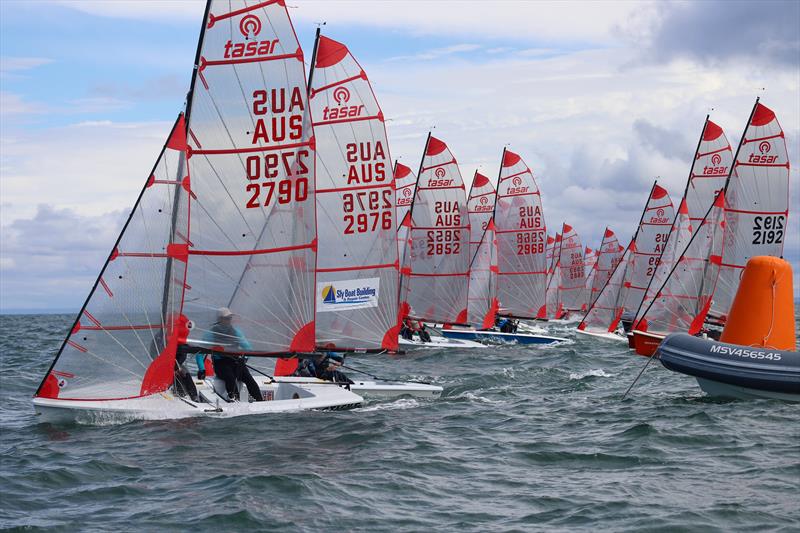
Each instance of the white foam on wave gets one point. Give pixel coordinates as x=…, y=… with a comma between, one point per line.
x=475, y=398
x=401, y=403
x=594, y=372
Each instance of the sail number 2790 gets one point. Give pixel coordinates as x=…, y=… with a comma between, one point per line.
x=268, y=167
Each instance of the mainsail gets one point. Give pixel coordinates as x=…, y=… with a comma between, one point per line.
x=251, y=157
x=648, y=243
x=480, y=204
x=609, y=258
x=405, y=183
x=756, y=202
x=521, y=239
x=435, y=274
x=123, y=342
x=573, y=272
x=357, y=261
x=553, y=305
x=684, y=286
x=590, y=258
x=483, y=303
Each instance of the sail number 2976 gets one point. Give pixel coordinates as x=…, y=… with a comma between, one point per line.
x=768, y=230
x=268, y=167
x=367, y=211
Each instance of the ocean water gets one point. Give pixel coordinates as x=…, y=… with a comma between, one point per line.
x=523, y=439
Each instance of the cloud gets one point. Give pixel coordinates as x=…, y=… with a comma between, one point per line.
x=11, y=67
x=715, y=31
x=669, y=143
x=15, y=104
x=437, y=53
x=52, y=259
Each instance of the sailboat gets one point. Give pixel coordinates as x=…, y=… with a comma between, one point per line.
x=226, y=219
x=573, y=270
x=691, y=291
x=756, y=204
x=626, y=288
x=685, y=296
x=357, y=269
x=518, y=223
x=554, y=308
x=434, y=283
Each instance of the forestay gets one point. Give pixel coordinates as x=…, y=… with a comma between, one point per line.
x=251, y=148
x=436, y=278
x=573, y=272
x=756, y=202
x=357, y=260
x=483, y=304
x=123, y=342
x=521, y=238
x=686, y=284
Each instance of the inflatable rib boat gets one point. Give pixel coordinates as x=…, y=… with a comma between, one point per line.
x=733, y=371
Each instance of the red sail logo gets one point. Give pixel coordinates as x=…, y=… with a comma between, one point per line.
x=440, y=172
x=764, y=147
x=716, y=159
x=517, y=181
x=516, y=187
x=439, y=179
x=484, y=200
x=660, y=213
x=341, y=95
x=406, y=192
x=250, y=25
x=659, y=218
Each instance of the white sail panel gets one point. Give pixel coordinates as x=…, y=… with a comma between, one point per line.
x=482, y=306
x=610, y=256
x=405, y=183
x=480, y=203
x=590, y=258
x=553, y=304
x=252, y=168
x=648, y=243
x=604, y=314
x=436, y=279
x=521, y=240
x=756, y=202
x=124, y=340
x=683, y=298
x=709, y=172
x=357, y=261
x=573, y=272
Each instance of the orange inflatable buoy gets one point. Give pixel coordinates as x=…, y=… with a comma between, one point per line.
x=762, y=313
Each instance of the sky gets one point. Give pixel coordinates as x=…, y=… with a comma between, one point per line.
x=599, y=98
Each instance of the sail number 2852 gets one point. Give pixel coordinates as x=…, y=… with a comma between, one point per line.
x=768, y=229
x=268, y=167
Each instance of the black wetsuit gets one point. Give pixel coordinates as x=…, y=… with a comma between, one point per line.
x=233, y=368
x=184, y=384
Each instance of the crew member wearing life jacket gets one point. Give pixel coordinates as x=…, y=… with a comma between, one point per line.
x=230, y=367
x=323, y=366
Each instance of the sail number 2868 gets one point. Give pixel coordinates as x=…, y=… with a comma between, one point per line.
x=268, y=167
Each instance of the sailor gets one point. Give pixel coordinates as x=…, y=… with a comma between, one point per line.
x=406, y=330
x=506, y=325
x=230, y=367
x=184, y=384
x=424, y=336
x=323, y=366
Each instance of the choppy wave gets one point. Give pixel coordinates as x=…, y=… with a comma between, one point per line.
x=521, y=440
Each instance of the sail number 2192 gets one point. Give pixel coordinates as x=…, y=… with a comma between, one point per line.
x=768, y=229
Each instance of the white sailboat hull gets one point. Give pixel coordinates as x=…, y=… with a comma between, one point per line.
x=378, y=389
x=614, y=337
x=439, y=342
x=281, y=398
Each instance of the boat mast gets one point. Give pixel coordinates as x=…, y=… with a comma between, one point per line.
x=181, y=164
x=410, y=213
x=313, y=60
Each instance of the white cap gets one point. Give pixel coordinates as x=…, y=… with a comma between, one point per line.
x=224, y=312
